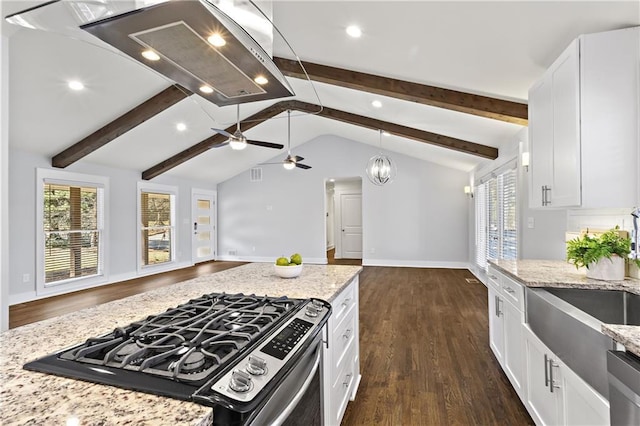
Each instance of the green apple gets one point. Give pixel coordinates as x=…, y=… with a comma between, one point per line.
x=282, y=261
x=296, y=258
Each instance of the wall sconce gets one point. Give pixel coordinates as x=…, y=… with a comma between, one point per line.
x=467, y=191
x=525, y=161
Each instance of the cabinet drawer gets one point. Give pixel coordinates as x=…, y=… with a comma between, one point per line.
x=495, y=278
x=342, y=339
x=343, y=303
x=341, y=388
x=514, y=292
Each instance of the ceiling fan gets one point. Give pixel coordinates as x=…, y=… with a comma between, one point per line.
x=291, y=161
x=238, y=141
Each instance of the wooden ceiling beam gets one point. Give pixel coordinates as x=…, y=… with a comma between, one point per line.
x=334, y=114
x=212, y=141
x=399, y=130
x=483, y=106
x=138, y=115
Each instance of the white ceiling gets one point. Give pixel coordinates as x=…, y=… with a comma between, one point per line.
x=496, y=49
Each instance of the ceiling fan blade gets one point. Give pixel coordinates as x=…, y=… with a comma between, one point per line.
x=223, y=132
x=266, y=144
x=303, y=166
x=220, y=145
x=298, y=158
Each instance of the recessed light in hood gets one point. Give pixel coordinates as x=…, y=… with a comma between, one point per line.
x=181, y=34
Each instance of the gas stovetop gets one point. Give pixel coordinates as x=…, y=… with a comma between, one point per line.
x=176, y=352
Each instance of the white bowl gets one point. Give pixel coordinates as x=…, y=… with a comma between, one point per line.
x=288, y=271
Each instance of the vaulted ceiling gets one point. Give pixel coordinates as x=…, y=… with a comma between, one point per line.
x=491, y=51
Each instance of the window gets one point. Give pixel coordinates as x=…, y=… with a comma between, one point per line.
x=496, y=217
x=71, y=228
x=156, y=225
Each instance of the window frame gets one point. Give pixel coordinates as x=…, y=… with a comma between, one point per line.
x=49, y=176
x=497, y=178
x=158, y=189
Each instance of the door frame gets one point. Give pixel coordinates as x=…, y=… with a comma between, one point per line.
x=214, y=224
x=337, y=226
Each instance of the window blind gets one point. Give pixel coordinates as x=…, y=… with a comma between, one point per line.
x=157, y=227
x=496, y=217
x=72, y=229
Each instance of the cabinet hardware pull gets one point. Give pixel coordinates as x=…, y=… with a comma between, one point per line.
x=495, y=305
x=346, y=302
x=498, y=304
x=546, y=373
x=544, y=203
x=509, y=290
x=493, y=277
x=347, y=333
x=552, y=385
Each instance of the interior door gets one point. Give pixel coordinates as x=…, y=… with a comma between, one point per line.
x=351, y=222
x=203, y=226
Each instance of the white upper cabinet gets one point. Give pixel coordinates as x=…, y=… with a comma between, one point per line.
x=584, y=125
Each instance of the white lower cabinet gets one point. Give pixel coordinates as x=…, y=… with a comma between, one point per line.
x=341, y=359
x=555, y=394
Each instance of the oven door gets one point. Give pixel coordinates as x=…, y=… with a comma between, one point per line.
x=298, y=399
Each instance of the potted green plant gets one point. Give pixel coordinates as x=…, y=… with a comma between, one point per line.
x=603, y=255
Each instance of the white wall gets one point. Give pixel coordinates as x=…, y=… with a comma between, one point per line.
x=418, y=220
x=4, y=181
x=121, y=241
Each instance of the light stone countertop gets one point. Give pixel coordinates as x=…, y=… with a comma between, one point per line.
x=31, y=398
x=556, y=273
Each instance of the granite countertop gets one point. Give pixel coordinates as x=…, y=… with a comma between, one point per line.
x=556, y=273
x=31, y=398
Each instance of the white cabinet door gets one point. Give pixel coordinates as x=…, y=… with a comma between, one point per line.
x=540, y=140
x=582, y=404
x=545, y=406
x=496, y=325
x=513, y=345
x=565, y=77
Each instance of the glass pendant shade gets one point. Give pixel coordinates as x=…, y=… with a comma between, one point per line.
x=237, y=144
x=381, y=170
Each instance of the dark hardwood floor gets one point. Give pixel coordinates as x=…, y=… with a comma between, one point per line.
x=424, y=353
x=424, y=345
x=38, y=310
x=331, y=260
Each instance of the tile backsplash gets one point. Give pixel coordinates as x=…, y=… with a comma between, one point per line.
x=599, y=219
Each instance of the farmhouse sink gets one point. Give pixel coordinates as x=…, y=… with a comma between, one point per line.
x=609, y=307
x=569, y=322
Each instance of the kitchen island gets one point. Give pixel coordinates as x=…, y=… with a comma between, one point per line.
x=560, y=274
x=31, y=398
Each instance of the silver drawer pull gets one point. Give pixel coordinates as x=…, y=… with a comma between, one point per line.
x=346, y=302
x=552, y=383
x=347, y=380
x=509, y=290
x=493, y=277
x=347, y=333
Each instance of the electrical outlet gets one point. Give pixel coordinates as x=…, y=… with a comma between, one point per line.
x=233, y=252
x=26, y=278
x=531, y=223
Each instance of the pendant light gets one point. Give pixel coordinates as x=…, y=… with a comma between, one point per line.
x=380, y=168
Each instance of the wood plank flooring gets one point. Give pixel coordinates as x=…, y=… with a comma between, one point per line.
x=38, y=310
x=424, y=353
x=424, y=345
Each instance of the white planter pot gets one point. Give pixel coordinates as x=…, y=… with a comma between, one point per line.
x=607, y=269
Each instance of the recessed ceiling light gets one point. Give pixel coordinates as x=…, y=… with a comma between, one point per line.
x=354, y=31
x=151, y=55
x=377, y=104
x=75, y=85
x=216, y=40
x=181, y=127
x=261, y=80
x=206, y=89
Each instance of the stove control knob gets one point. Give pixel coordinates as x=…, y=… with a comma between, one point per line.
x=257, y=366
x=318, y=304
x=312, y=311
x=240, y=381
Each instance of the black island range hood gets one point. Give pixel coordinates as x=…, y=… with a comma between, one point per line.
x=191, y=42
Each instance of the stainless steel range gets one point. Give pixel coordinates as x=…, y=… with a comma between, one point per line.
x=240, y=354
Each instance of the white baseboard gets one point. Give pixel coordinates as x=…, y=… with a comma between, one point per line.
x=30, y=296
x=415, y=263
x=269, y=259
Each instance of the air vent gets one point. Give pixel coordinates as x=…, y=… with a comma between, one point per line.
x=472, y=281
x=255, y=174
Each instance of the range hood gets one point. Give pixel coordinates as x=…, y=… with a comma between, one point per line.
x=176, y=39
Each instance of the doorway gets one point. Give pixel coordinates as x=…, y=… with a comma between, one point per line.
x=203, y=237
x=344, y=220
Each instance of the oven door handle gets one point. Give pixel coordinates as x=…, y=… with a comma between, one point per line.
x=296, y=399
